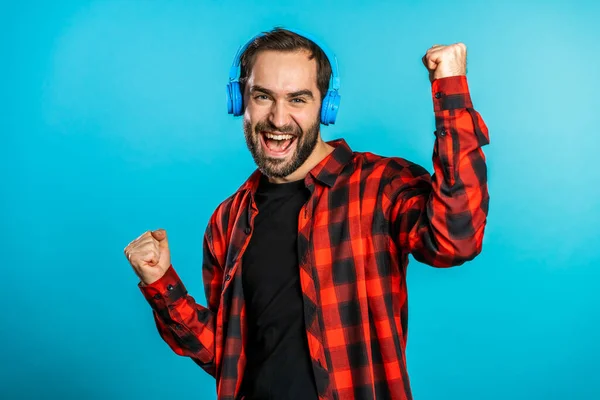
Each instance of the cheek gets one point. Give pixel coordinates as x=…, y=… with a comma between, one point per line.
x=306, y=119
x=247, y=117
x=253, y=114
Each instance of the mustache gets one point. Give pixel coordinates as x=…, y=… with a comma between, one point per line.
x=268, y=126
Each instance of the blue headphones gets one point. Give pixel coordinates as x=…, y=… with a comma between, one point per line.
x=331, y=102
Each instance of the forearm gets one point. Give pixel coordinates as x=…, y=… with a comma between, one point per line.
x=458, y=160
x=186, y=326
x=458, y=205
x=440, y=219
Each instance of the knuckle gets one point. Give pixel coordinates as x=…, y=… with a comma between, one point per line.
x=142, y=236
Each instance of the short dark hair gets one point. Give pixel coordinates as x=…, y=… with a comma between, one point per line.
x=280, y=39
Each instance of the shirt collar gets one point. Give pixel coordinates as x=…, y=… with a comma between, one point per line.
x=326, y=171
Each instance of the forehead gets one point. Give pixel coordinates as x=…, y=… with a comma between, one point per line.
x=284, y=71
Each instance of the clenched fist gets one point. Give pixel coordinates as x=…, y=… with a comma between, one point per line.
x=444, y=61
x=149, y=255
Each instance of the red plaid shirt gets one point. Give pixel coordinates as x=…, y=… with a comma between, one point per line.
x=366, y=214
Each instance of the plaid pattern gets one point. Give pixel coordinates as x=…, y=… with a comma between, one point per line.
x=366, y=214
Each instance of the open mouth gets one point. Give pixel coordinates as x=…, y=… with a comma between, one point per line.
x=277, y=144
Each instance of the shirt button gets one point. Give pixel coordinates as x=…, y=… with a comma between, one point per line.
x=227, y=277
x=178, y=327
x=438, y=95
x=169, y=287
x=156, y=296
x=247, y=231
x=443, y=132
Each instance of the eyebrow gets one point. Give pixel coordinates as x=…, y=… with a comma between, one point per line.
x=303, y=92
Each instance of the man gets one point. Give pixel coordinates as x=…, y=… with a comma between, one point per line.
x=305, y=264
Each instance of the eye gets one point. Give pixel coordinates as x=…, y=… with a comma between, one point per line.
x=261, y=97
x=298, y=100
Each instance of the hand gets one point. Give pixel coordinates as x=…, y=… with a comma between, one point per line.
x=444, y=61
x=149, y=255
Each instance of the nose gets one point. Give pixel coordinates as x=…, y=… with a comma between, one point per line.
x=279, y=115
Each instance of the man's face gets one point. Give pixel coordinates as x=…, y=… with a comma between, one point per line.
x=282, y=111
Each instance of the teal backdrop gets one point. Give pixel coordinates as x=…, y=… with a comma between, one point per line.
x=113, y=121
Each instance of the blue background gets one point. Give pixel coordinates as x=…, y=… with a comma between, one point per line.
x=113, y=121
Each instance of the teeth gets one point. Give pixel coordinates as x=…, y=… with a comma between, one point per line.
x=278, y=137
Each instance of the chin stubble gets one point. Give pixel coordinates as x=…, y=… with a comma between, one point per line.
x=276, y=167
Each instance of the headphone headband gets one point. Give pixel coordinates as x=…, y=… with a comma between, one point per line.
x=335, y=78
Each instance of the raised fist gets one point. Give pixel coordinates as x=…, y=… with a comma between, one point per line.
x=444, y=61
x=149, y=255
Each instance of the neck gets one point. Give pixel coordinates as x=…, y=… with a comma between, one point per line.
x=321, y=151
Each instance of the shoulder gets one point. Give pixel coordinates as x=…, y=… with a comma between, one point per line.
x=390, y=177
x=388, y=168
x=231, y=205
x=227, y=210
x=221, y=222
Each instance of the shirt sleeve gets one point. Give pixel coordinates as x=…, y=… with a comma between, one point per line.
x=440, y=219
x=186, y=326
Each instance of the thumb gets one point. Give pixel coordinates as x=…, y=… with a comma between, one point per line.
x=429, y=63
x=432, y=62
x=160, y=235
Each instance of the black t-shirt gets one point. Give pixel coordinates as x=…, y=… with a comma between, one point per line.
x=278, y=360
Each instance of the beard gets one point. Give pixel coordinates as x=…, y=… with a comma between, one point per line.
x=281, y=167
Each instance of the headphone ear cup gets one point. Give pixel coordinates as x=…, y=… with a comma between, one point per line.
x=229, y=99
x=329, y=108
x=236, y=96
